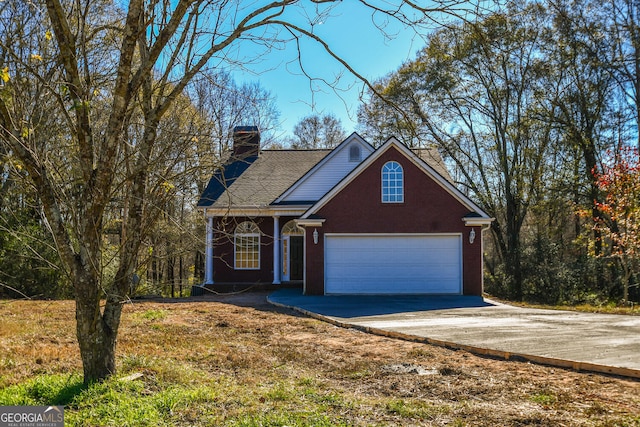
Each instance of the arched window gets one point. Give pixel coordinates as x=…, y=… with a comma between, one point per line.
x=354, y=153
x=292, y=229
x=246, y=242
x=392, y=183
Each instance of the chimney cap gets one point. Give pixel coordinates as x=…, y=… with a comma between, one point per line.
x=246, y=129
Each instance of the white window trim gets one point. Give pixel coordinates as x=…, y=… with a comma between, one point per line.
x=236, y=235
x=382, y=186
x=292, y=229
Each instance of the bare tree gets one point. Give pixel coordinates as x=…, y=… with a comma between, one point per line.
x=317, y=132
x=214, y=106
x=474, y=91
x=225, y=104
x=621, y=19
x=102, y=72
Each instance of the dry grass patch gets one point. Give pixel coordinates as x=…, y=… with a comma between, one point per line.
x=238, y=361
x=629, y=309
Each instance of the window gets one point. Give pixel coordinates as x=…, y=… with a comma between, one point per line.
x=392, y=183
x=354, y=153
x=292, y=229
x=247, y=246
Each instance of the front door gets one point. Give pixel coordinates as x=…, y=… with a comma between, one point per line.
x=297, y=257
x=292, y=258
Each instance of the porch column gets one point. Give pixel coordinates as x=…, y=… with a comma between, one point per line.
x=276, y=250
x=208, y=263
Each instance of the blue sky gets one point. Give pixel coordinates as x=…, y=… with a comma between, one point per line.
x=352, y=34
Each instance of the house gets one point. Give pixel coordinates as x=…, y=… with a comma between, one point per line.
x=351, y=220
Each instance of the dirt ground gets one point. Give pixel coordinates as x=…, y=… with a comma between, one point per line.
x=385, y=381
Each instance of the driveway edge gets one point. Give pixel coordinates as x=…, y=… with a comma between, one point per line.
x=480, y=351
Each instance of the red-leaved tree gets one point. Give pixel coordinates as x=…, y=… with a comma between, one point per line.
x=619, y=181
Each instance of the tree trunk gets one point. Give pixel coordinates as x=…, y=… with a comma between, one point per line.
x=514, y=265
x=96, y=331
x=171, y=272
x=513, y=255
x=198, y=271
x=626, y=277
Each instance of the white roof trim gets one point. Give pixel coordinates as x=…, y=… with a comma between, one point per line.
x=334, y=152
x=289, y=210
x=477, y=221
x=393, y=142
x=315, y=222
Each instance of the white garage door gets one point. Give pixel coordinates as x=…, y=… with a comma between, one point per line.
x=384, y=264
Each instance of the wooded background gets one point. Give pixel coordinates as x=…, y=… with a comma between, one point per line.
x=533, y=105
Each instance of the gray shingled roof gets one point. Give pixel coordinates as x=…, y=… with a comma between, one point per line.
x=270, y=175
x=432, y=157
x=258, y=182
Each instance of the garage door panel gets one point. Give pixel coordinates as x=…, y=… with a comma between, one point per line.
x=380, y=264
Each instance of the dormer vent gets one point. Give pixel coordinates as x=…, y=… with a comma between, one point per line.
x=354, y=153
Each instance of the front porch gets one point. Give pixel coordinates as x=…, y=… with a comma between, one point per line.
x=246, y=252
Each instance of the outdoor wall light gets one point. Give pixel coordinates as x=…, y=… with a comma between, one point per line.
x=472, y=236
x=315, y=236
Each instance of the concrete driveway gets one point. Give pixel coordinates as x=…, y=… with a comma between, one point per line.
x=581, y=341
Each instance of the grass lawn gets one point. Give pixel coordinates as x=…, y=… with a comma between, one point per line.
x=237, y=361
x=630, y=310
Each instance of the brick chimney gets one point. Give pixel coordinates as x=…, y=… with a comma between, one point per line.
x=246, y=142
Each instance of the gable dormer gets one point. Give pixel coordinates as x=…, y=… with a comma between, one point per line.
x=328, y=172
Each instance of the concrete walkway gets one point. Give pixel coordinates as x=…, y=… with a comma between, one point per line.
x=582, y=341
